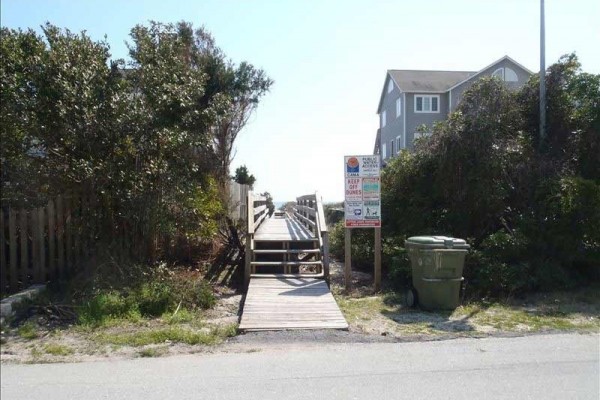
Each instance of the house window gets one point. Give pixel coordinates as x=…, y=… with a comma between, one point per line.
x=383, y=118
x=506, y=74
x=398, y=107
x=427, y=103
x=390, y=85
x=392, y=148
x=510, y=75
x=383, y=151
x=398, y=143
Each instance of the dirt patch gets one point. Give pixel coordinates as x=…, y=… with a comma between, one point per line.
x=45, y=341
x=385, y=314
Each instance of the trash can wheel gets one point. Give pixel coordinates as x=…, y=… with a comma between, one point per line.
x=410, y=297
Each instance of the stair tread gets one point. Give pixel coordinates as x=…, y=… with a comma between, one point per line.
x=283, y=251
x=305, y=275
x=294, y=263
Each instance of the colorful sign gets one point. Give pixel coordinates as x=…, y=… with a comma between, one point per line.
x=362, y=192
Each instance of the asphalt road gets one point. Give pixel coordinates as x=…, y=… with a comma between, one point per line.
x=536, y=367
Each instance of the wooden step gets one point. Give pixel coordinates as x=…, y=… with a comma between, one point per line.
x=280, y=251
x=288, y=276
x=273, y=238
x=286, y=263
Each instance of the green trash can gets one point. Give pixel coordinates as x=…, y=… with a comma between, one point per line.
x=437, y=265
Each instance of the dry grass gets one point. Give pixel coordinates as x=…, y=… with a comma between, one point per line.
x=386, y=315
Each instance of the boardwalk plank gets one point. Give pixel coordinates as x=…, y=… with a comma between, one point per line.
x=281, y=304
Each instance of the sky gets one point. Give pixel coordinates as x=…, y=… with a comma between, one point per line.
x=329, y=59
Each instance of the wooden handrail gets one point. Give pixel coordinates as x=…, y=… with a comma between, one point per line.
x=309, y=211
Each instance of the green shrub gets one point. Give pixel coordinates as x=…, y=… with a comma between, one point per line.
x=399, y=269
x=107, y=305
x=192, y=293
x=28, y=331
x=530, y=210
x=154, y=298
x=336, y=240
x=160, y=293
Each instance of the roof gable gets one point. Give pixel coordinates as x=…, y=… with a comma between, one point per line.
x=490, y=66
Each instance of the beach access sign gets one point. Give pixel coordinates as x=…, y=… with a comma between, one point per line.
x=362, y=200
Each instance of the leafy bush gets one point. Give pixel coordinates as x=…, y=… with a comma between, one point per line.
x=154, y=298
x=105, y=306
x=192, y=293
x=530, y=209
x=150, y=141
x=362, y=244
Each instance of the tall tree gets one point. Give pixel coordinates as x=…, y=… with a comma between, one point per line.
x=243, y=177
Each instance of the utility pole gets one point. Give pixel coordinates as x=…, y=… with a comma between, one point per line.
x=542, y=76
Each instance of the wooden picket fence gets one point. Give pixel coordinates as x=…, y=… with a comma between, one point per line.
x=39, y=245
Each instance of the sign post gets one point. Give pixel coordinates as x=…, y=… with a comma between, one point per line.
x=362, y=207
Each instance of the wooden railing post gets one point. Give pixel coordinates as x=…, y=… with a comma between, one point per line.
x=321, y=226
x=249, y=236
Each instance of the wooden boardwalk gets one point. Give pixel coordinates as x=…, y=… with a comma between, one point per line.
x=286, y=268
x=278, y=229
x=290, y=303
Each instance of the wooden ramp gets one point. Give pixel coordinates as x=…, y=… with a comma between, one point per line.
x=278, y=303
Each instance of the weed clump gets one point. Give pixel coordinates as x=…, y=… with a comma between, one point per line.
x=146, y=296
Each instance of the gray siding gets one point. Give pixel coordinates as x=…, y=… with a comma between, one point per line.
x=522, y=75
x=414, y=120
x=395, y=124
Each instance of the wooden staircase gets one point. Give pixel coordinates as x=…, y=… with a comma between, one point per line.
x=286, y=257
x=287, y=267
x=288, y=244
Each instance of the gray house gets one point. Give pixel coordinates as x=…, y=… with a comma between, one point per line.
x=411, y=98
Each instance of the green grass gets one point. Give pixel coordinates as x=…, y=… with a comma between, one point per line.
x=153, y=352
x=182, y=316
x=173, y=334
x=510, y=318
x=154, y=298
x=58, y=350
x=28, y=331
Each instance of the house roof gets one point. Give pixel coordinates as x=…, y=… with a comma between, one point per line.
x=427, y=81
x=433, y=81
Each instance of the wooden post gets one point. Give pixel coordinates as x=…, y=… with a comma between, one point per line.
x=326, y=255
x=348, y=258
x=12, y=235
x=51, y=241
x=377, y=277
x=24, y=237
x=249, y=235
x=41, y=245
x=60, y=236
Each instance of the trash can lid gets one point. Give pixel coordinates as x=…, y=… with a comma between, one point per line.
x=437, y=242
